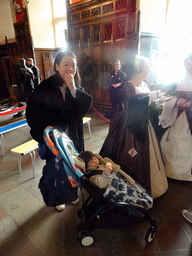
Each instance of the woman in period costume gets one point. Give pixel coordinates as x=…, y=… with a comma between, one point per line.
x=131, y=141
x=176, y=119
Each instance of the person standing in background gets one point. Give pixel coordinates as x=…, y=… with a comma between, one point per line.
x=25, y=84
x=115, y=82
x=35, y=71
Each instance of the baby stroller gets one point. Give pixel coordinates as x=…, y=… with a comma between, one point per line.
x=96, y=211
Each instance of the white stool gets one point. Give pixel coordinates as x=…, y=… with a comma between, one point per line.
x=25, y=148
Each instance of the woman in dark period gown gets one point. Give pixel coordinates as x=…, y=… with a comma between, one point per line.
x=131, y=141
x=59, y=102
x=176, y=119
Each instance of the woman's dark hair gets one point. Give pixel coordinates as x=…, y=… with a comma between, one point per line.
x=86, y=156
x=60, y=55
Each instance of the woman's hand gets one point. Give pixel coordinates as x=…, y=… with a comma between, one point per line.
x=69, y=80
x=160, y=93
x=164, y=98
x=108, y=169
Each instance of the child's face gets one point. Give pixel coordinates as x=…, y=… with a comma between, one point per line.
x=94, y=162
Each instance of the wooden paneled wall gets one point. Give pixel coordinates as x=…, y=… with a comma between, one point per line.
x=98, y=33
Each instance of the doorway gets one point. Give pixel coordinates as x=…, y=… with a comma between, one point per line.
x=5, y=81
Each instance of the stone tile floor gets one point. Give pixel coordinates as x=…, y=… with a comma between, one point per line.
x=28, y=227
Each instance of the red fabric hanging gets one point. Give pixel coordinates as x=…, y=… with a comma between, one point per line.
x=19, y=16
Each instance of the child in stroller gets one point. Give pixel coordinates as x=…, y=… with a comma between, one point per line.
x=115, y=200
x=120, y=187
x=96, y=212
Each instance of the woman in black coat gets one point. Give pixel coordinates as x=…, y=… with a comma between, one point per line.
x=60, y=102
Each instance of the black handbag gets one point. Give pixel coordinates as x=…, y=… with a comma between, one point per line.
x=55, y=186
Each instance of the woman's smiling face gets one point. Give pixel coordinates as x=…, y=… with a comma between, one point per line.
x=67, y=65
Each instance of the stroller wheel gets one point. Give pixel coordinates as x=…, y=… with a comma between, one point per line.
x=85, y=239
x=150, y=234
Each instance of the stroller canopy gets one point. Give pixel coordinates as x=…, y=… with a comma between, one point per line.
x=63, y=148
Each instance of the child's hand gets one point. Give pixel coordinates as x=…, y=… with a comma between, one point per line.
x=108, y=169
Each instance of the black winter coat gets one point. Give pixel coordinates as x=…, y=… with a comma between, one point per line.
x=46, y=107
